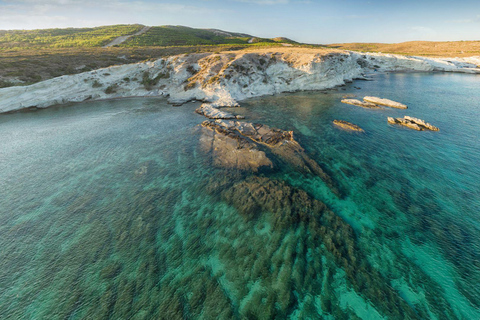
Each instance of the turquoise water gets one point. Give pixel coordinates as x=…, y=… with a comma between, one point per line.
x=111, y=209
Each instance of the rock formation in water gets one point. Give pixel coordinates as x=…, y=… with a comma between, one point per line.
x=359, y=103
x=385, y=102
x=413, y=123
x=221, y=79
x=211, y=112
x=347, y=125
x=247, y=146
x=288, y=209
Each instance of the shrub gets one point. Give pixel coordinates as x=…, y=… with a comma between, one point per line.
x=149, y=83
x=111, y=89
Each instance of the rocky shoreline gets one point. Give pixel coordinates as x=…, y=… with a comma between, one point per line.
x=222, y=79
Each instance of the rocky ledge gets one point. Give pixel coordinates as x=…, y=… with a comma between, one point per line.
x=347, y=125
x=385, y=102
x=413, y=123
x=362, y=104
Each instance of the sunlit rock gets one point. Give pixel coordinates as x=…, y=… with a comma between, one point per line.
x=413, y=123
x=347, y=125
x=385, y=102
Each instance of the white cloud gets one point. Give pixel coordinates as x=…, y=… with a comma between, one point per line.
x=274, y=2
x=264, y=1
x=33, y=14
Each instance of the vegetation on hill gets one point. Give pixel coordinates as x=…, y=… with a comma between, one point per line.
x=185, y=36
x=64, y=38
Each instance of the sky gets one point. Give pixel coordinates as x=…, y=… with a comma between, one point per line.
x=310, y=21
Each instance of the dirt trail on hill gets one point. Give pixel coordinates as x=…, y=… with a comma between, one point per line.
x=121, y=39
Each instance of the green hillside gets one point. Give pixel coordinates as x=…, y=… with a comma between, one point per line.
x=185, y=36
x=64, y=38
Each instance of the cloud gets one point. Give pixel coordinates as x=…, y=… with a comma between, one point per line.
x=35, y=14
x=268, y=2
x=465, y=20
x=274, y=2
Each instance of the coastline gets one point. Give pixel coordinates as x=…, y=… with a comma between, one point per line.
x=223, y=79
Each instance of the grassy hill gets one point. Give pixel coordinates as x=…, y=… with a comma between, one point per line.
x=185, y=36
x=64, y=38
x=163, y=36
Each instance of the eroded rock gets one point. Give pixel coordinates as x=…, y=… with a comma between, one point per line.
x=385, y=102
x=359, y=103
x=233, y=151
x=244, y=145
x=210, y=112
x=413, y=123
x=347, y=125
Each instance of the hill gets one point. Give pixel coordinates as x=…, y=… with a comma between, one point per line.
x=64, y=38
x=417, y=48
x=164, y=36
x=182, y=36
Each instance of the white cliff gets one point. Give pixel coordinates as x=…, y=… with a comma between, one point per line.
x=222, y=79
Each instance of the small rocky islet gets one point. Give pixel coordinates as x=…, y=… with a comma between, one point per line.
x=413, y=123
x=347, y=125
x=376, y=103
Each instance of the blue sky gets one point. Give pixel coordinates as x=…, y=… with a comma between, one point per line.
x=312, y=21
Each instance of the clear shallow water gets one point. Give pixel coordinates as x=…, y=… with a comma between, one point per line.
x=111, y=210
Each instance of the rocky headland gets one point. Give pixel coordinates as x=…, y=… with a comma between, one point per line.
x=222, y=79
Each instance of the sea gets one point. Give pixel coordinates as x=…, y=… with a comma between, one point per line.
x=113, y=210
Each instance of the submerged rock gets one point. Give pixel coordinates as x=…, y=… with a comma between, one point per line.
x=323, y=234
x=413, y=123
x=210, y=112
x=385, y=102
x=347, y=125
x=359, y=103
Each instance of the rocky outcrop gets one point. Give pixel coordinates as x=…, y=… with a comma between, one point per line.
x=362, y=104
x=232, y=151
x=413, y=123
x=385, y=102
x=248, y=146
x=220, y=79
x=347, y=125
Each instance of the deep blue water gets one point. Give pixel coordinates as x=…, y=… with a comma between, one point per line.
x=111, y=209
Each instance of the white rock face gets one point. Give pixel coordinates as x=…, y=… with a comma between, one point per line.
x=221, y=79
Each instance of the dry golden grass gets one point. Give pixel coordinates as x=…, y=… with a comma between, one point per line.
x=417, y=48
